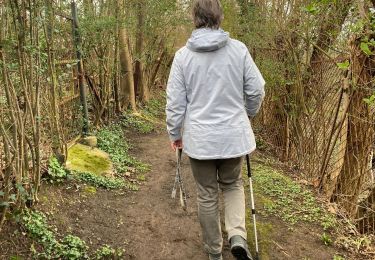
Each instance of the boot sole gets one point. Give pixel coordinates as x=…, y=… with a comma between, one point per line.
x=240, y=253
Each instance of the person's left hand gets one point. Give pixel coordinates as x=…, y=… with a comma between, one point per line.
x=176, y=145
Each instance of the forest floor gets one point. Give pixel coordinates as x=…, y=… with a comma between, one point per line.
x=149, y=224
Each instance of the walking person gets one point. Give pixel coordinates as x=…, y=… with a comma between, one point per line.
x=213, y=89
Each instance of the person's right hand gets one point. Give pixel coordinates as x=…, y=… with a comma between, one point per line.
x=176, y=145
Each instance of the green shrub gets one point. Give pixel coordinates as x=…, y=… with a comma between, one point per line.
x=56, y=173
x=69, y=247
x=111, y=140
x=74, y=248
x=287, y=199
x=100, y=181
x=107, y=252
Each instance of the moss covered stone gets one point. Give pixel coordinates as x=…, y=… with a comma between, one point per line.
x=91, y=141
x=84, y=158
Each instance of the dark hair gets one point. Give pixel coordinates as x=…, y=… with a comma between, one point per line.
x=207, y=13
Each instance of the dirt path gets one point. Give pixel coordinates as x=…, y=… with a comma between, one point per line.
x=160, y=229
x=164, y=230
x=157, y=228
x=148, y=224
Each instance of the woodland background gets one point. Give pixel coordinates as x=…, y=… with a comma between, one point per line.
x=69, y=68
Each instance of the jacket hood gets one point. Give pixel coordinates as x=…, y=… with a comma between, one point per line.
x=206, y=40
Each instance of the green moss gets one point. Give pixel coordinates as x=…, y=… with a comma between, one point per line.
x=16, y=257
x=141, y=177
x=265, y=231
x=82, y=158
x=90, y=190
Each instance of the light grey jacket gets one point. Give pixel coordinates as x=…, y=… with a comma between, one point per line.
x=213, y=86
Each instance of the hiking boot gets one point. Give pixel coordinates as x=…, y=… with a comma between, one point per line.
x=215, y=256
x=239, y=248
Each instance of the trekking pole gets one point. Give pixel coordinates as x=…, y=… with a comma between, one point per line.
x=252, y=206
x=178, y=181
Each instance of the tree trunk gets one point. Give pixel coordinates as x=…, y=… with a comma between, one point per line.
x=330, y=28
x=141, y=89
x=127, y=92
x=159, y=61
x=338, y=148
x=360, y=136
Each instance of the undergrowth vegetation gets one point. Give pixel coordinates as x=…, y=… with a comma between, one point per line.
x=98, y=181
x=156, y=106
x=56, y=173
x=69, y=247
x=296, y=205
x=128, y=170
x=288, y=200
x=111, y=140
x=148, y=119
x=138, y=122
x=278, y=195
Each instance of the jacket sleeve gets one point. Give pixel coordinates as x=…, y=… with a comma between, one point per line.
x=253, y=86
x=176, y=101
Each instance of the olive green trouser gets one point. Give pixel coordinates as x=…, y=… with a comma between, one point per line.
x=209, y=176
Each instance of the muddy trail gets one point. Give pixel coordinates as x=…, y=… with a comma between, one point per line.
x=148, y=224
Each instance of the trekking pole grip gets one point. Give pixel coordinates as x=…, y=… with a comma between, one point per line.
x=248, y=166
